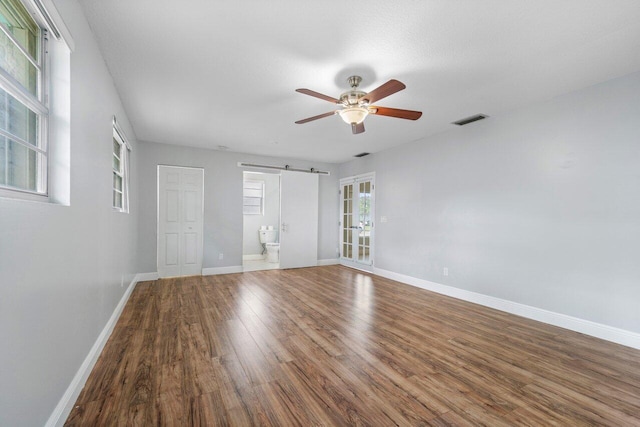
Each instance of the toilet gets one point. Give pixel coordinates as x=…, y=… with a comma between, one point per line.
x=268, y=241
x=273, y=252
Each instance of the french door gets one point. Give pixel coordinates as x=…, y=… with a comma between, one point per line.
x=356, y=221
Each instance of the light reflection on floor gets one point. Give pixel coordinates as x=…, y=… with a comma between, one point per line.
x=361, y=315
x=260, y=264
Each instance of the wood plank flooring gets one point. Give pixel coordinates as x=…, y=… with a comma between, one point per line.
x=334, y=346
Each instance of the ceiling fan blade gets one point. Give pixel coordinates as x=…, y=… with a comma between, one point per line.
x=320, y=116
x=357, y=127
x=318, y=95
x=394, y=112
x=389, y=88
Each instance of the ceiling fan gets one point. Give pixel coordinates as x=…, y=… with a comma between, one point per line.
x=356, y=104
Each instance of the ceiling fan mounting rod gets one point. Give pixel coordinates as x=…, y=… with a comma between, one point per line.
x=354, y=81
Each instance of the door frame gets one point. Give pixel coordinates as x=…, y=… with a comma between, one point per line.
x=158, y=211
x=354, y=263
x=277, y=224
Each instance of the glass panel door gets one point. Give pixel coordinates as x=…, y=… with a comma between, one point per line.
x=364, y=226
x=356, y=220
x=347, y=221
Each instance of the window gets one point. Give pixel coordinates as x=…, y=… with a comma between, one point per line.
x=23, y=108
x=253, y=198
x=120, y=164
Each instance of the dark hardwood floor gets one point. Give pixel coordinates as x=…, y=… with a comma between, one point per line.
x=334, y=346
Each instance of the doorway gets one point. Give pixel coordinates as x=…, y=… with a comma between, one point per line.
x=357, y=207
x=180, y=221
x=261, y=219
x=280, y=220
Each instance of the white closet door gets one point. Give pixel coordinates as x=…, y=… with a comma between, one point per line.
x=299, y=220
x=180, y=224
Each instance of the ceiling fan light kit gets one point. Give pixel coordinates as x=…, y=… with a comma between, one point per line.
x=352, y=115
x=356, y=104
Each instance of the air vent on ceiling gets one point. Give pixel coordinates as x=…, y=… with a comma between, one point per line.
x=361, y=155
x=471, y=119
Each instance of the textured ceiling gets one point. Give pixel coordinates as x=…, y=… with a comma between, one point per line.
x=208, y=73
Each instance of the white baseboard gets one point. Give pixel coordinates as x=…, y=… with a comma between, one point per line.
x=328, y=261
x=252, y=257
x=357, y=266
x=221, y=270
x=65, y=405
x=143, y=277
x=598, y=330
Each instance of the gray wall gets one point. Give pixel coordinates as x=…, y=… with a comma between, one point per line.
x=223, y=201
x=540, y=206
x=271, y=216
x=61, y=267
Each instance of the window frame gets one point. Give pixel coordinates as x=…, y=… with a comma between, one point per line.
x=261, y=188
x=38, y=104
x=120, y=138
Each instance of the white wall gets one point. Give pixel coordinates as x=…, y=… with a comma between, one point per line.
x=271, y=216
x=223, y=217
x=540, y=206
x=61, y=267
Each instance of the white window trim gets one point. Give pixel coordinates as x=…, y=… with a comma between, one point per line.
x=125, y=154
x=47, y=16
x=55, y=66
x=38, y=104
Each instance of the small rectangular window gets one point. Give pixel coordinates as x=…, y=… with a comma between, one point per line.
x=120, y=166
x=23, y=110
x=253, y=198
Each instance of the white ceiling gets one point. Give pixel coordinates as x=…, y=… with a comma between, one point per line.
x=208, y=73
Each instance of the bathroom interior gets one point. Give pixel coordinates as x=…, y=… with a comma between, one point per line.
x=261, y=216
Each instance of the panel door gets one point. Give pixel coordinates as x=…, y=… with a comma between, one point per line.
x=299, y=220
x=180, y=221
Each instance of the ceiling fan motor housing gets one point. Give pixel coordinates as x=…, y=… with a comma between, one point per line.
x=351, y=98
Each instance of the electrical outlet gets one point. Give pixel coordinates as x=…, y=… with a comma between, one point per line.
x=383, y=219
x=445, y=271
x=221, y=256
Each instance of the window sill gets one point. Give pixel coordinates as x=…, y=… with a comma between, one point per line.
x=17, y=194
